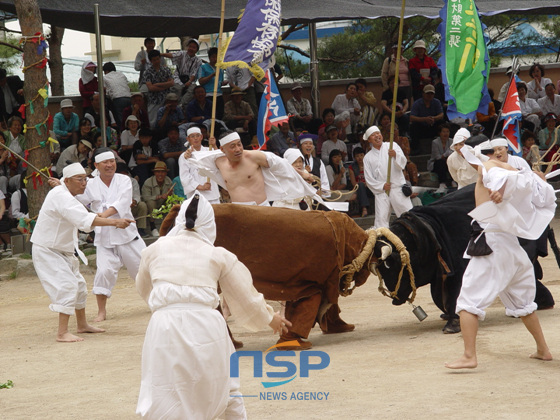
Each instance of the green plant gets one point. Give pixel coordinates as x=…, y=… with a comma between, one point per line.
x=7, y=385
x=169, y=203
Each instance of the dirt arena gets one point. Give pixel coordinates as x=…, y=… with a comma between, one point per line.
x=390, y=367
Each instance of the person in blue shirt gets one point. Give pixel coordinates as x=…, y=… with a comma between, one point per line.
x=66, y=124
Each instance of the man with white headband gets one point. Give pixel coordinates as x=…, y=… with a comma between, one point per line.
x=55, y=243
x=110, y=195
x=461, y=171
x=500, y=146
x=191, y=180
x=252, y=177
x=375, y=171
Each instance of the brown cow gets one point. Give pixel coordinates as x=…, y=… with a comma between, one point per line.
x=293, y=256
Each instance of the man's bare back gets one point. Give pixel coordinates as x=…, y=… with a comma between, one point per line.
x=243, y=176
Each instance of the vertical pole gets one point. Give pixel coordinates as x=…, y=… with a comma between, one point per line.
x=314, y=70
x=217, y=74
x=98, y=46
x=395, y=89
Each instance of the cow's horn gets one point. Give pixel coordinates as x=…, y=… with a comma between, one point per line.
x=385, y=252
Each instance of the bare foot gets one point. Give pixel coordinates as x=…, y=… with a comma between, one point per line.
x=541, y=355
x=68, y=338
x=463, y=363
x=90, y=329
x=101, y=316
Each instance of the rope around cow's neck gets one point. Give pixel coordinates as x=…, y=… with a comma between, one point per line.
x=356, y=265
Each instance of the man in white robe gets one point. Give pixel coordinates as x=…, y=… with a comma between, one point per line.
x=460, y=170
x=191, y=180
x=500, y=146
x=375, y=171
x=110, y=195
x=186, y=371
x=510, y=203
x=55, y=242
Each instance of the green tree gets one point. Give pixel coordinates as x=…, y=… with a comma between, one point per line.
x=10, y=53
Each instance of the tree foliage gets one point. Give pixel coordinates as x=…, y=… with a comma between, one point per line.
x=359, y=51
x=10, y=56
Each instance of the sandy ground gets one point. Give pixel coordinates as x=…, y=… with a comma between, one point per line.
x=390, y=367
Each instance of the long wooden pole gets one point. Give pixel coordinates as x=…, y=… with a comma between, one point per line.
x=395, y=90
x=217, y=76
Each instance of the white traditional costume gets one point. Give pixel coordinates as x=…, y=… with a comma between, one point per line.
x=115, y=247
x=527, y=208
x=55, y=242
x=375, y=171
x=187, y=349
x=291, y=155
x=281, y=180
x=191, y=179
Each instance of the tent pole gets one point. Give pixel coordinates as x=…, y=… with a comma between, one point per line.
x=314, y=69
x=395, y=90
x=217, y=74
x=103, y=118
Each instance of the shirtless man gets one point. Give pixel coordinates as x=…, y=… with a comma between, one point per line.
x=505, y=271
x=242, y=173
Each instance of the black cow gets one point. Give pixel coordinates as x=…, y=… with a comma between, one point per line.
x=436, y=237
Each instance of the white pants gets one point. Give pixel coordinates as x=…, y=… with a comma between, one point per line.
x=507, y=272
x=383, y=203
x=110, y=261
x=60, y=276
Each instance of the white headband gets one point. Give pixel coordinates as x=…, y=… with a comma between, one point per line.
x=499, y=142
x=193, y=130
x=104, y=156
x=370, y=131
x=304, y=139
x=73, y=170
x=229, y=138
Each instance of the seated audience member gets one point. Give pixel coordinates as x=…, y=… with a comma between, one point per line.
x=389, y=69
x=5, y=159
x=145, y=152
x=282, y=140
x=488, y=120
x=11, y=96
x=367, y=101
x=460, y=170
x=333, y=143
x=188, y=65
x=313, y=164
x=117, y=89
x=336, y=172
x=200, y=108
x=128, y=137
x=241, y=79
x=410, y=170
x=88, y=83
x=138, y=207
x=138, y=109
x=159, y=81
x=546, y=135
x=328, y=119
x=239, y=116
x=4, y=224
x=206, y=78
x=422, y=69
x=84, y=130
x=385, y=126
x=357, y=177
x=536, y=88
x=528, y=140
x=76, y=153
x=15, y=140
x=65, y=124
x=440, y=153
x=170, y=148
x=155, y=191
x=300, y=110
x=348, y=102
x=530, y=109
x=93, y=113
x=402, y=107
x=20, y=209
x=551, y=102
x=425, y=117
x=169, y=115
